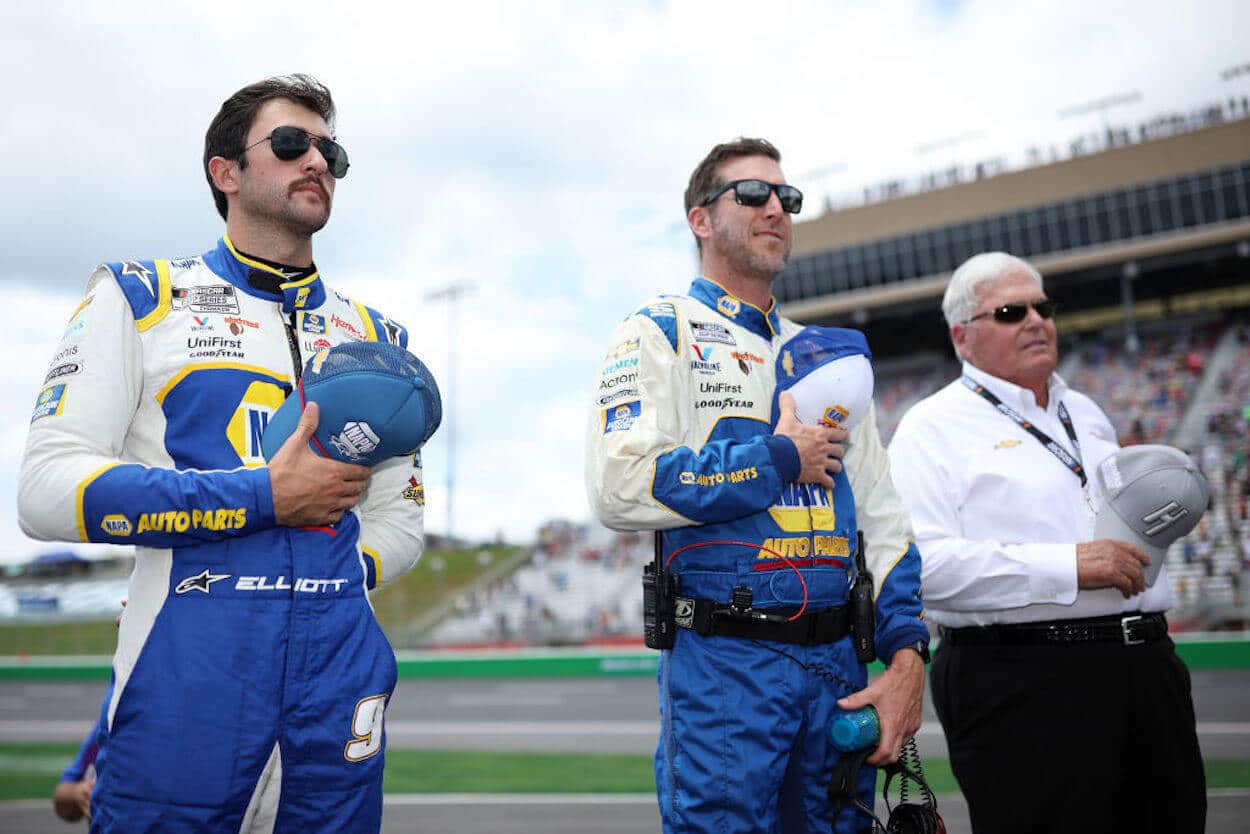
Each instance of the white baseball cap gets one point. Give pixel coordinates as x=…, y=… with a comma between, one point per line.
x=1151, y=496
x=829, y=372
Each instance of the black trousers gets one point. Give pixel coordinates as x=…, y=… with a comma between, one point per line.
x=1072, y=738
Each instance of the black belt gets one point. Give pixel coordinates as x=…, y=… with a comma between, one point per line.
x=709, y=618
x=1127, y=629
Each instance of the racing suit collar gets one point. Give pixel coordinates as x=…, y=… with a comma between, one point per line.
x=764, y=323
x=234, y=266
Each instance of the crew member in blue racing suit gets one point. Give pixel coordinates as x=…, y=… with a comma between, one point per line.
x=681, y=440
x=249, y=645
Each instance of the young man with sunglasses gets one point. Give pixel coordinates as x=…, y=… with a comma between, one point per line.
x=753, y=518
x=1064, y=704
x=248, y=647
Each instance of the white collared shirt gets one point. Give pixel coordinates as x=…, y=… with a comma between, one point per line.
x=996, y=515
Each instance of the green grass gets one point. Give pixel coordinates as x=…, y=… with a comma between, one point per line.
x=30, y=771
x=420, y=771
x=397, y=604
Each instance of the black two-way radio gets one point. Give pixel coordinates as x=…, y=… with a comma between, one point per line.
x=659, y=587
x=863, y=607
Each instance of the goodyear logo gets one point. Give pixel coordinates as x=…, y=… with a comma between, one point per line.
x=180, y=521
x=50, y=402
x=835, y=415
x=621, y=417
x=115, y=525
x=728, y=305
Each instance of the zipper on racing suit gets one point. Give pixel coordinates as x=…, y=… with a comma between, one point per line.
x=268, y=282
x=292, y=344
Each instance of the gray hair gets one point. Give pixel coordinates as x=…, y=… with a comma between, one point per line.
x=960, y=301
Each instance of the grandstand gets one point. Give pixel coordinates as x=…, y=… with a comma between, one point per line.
x=1143, y=235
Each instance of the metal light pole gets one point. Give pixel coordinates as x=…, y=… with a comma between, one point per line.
x=451, y=294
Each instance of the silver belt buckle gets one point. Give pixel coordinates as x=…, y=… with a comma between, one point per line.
x=1125, y=622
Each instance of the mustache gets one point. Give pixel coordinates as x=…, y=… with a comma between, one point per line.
x=298, y=184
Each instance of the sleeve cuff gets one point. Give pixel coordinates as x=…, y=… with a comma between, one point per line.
x=899, y=639
x=1052, y=573
x=263, y=490
x=785, y=457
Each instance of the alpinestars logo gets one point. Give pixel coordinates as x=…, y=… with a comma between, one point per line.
x=202, y=581
x=355, y=440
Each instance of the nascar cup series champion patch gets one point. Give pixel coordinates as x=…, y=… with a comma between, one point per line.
x=377, y=401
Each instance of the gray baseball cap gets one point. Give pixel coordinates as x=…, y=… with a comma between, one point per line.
x=1150, y=497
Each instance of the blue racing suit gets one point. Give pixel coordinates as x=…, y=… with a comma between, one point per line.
x=246, y=647
x=680, y=440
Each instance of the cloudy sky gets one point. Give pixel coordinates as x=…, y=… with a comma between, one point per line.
x=536, y=152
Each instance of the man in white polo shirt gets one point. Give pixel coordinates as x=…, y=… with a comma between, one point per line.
x=1064, y=704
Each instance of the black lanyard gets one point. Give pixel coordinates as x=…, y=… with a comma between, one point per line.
x=1073, y=463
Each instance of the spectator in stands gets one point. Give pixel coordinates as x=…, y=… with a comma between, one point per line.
x=681, y=440
x=1064, y=704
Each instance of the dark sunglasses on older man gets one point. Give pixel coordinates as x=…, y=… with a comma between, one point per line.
x=1016, y=311
x=289, y=142
x=755, y=193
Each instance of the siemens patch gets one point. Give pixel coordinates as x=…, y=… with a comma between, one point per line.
x=621, y=417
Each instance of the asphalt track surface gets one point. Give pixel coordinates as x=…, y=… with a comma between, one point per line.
x=570, y=715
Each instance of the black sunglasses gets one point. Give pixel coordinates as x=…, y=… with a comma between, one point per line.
x=755, y=193
x=1016, y=311
x=290, y=142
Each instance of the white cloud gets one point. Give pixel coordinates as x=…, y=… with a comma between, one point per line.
x=537, y=152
